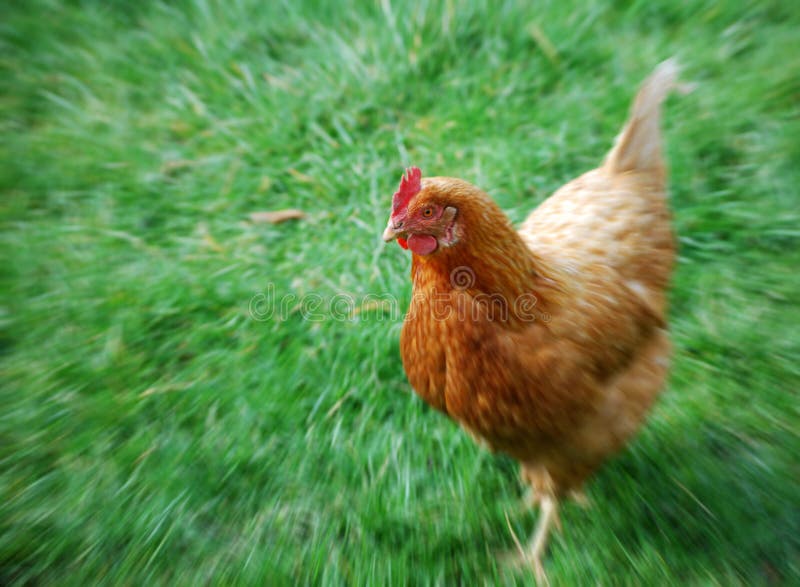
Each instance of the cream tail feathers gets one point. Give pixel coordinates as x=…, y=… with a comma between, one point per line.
x=638, y=146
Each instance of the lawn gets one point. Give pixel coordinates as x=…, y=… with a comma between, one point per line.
x=161, y=426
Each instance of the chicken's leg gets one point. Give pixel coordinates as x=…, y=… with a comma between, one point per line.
x=548, y=515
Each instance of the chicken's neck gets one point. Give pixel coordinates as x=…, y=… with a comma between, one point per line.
x=489, y=261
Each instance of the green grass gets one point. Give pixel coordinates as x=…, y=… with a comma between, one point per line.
x=154, y=432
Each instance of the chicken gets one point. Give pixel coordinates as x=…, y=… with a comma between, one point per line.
x=548, y=343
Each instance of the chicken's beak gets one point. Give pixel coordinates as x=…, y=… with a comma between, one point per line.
x=390, y=233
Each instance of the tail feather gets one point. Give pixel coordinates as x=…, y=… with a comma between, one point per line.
x=638, y=146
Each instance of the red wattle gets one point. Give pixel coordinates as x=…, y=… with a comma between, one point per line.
x=402, y=242
x=422, y=244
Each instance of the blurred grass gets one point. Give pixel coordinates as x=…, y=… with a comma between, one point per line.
x=154, y=432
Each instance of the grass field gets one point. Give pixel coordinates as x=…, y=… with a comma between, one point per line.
x=155, y=431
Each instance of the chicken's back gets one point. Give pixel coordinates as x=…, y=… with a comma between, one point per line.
x=601, y=219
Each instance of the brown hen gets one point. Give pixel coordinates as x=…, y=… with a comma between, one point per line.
x=548, y=343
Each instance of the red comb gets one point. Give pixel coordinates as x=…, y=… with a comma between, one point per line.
x=409, y=187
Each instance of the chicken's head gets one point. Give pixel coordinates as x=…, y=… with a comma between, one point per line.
x=420, y=220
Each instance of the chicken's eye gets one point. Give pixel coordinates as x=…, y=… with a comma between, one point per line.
x=427, y=212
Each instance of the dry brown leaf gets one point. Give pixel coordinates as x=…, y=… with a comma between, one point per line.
x=276, y=216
